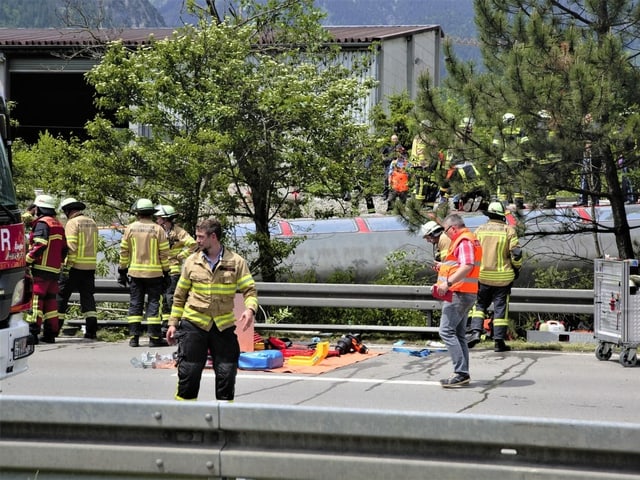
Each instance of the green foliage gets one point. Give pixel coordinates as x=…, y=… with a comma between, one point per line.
x=568, y=60
x=402, y=268
x=226, y=113
x=552, y=277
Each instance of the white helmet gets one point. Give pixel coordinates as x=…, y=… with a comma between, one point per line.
x=467, y=122
x=45, y=201
x=496, y=208
x=431, y=229
x=508, y=117
x=165, y=211
x=70, y=203
x=544, y=115
x=426, y=123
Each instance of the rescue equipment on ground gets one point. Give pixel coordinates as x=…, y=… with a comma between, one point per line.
x=261, y=360
x=351, y=343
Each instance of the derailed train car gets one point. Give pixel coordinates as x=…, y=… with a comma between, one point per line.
x=554, y=237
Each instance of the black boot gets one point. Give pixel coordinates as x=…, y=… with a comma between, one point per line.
x=473, y=338
x=91, y=328
x=134, y=331
x=34, y=330
x=48, y=335
x=500, y=346
x=155, y=337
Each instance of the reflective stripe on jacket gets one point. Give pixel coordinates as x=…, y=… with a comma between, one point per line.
x=469, y=284
x=144, y=249
x=47, y=245
x=181, y=245
x=498, y=240
x=82, y=239
x=204, y=297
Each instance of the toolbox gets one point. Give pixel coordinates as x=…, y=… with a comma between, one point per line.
x=261, y=360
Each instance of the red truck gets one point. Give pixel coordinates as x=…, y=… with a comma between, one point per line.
x=15, y=282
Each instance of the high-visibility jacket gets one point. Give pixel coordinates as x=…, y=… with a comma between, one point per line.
x=466, y=171
x=499, y=242
x=469, y=284
x=204, y=296
x=144, y=249
x=181, y=245
x=82, y=239
x=399, y=179
x=511, y=139
x=47, y=245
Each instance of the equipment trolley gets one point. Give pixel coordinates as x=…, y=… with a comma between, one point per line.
x=616, y=319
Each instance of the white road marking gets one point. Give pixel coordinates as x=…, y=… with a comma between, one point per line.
x=329, y=379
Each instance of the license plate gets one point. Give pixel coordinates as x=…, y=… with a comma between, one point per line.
x=22, y=347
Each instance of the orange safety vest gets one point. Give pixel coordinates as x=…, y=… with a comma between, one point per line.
x=469, y=284
x=399, y=180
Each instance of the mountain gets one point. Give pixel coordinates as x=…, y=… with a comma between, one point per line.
x=456, y=17
x=51, y=13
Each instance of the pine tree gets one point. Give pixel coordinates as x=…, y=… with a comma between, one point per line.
x=564, y=67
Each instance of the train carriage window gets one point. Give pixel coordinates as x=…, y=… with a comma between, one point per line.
x=333, y=225
x=241, y=229
x=384, y=224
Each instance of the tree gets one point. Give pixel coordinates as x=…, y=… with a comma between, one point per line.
x=568, y=60
x=256, y=100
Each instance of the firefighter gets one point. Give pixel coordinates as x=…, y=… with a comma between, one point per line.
x=432, y=233
x=79, y=270
x=181, y=245
x=509, y=142
x=46, y=254
x=501, y=263
x=425, y=160
x=463, y=175
x=202, y=318
x=144, y=264
x=548, y=160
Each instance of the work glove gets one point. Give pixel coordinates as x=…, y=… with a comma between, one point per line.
x=166, y=281
x=123, y=278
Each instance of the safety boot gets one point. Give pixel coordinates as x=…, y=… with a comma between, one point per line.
x=91, y=328
x=155, y=336
x=48, y=335
x=500, y=346
x=134, y=341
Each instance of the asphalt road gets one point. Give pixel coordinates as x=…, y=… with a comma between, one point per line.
x=541, y=384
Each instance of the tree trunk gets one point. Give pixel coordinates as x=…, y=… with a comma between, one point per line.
x=616, y=198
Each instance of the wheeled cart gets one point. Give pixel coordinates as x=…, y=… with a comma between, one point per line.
x=616, y=321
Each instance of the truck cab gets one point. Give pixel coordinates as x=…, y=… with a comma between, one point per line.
x=15, y=282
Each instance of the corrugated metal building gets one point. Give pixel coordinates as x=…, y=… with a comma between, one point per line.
x=41, y=69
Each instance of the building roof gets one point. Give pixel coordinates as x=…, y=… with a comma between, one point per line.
x=56, y=38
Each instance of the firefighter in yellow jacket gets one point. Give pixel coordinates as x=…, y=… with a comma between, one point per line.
x=79, y=270
x=501, y=262
x=181, y=245
x=144, y=263
x=202, y=318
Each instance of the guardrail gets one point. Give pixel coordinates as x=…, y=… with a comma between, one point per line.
x=415, y=297
x=83, y=438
